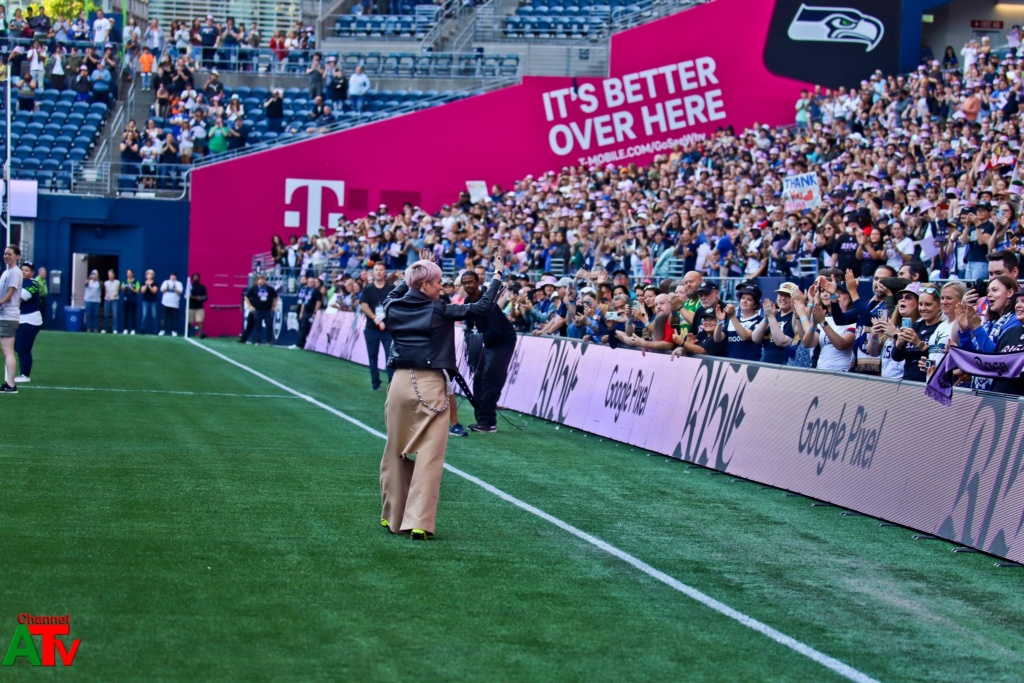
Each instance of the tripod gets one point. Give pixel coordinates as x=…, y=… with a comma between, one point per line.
x=475, y=358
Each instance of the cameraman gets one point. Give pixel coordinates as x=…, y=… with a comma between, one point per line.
x=499, y=337
x=275, y=111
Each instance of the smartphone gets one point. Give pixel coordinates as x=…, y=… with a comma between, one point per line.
x=906, y=322
x=883, y=315
x=981, y=287
x=929, y=364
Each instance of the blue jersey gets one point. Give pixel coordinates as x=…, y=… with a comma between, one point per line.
x=30, y=304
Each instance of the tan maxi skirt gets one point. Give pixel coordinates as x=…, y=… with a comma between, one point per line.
x=410, y=471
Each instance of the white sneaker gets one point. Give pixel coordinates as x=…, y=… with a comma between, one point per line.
x=174, y=334
x=133, y=331
x=124, y=331
x=293, y=346
x=160, y=333
x=21, y=379
x=103, y=331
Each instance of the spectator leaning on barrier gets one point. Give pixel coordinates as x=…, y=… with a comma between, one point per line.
x=736, y=326
x=915, y=345
x=974, y=334
x=775, y=332
x=835, y=341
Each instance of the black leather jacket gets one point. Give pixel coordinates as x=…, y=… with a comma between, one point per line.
x=422, y=329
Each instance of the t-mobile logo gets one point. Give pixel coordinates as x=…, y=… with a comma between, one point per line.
x=314, y=195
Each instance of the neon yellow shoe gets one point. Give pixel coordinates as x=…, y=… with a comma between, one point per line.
x=384, y=523
x=418, y=535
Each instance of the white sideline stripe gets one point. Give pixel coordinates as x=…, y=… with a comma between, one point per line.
x=831, y=663
x=153, y=391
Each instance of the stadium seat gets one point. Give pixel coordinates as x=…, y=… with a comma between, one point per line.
x=389, y=66
x=345, y=25
x=443, y=65
x=489, y=67
x=423, y=66
x=371, y=63
x=350, y=61
x=406, y=64
x=509, y=65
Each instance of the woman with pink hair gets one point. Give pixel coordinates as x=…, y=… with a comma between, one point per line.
x=422, y=326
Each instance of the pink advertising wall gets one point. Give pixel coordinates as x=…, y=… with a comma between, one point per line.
x=675, y=79
x=879, y=447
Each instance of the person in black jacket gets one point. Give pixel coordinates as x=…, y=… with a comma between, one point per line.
x=422, y=354
x=491, y=370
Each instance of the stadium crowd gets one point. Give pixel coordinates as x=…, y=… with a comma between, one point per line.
x=918, y=176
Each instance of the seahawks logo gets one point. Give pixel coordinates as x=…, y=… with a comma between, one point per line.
x=836, y=25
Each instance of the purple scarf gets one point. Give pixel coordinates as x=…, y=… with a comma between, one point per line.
x=1001, y=365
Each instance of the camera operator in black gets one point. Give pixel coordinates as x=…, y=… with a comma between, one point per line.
x=499, y=337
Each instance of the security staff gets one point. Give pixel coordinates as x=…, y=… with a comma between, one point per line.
x=490, y=373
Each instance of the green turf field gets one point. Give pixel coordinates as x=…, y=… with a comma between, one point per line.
x=201, y=523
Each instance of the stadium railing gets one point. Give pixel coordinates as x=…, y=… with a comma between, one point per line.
x=404, y=64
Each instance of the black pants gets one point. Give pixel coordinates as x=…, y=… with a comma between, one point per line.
x=170, y=320
x=375, y=338
x=24, y=338
x=131, y=315
x=305, y=325
x=489, y=381
x=250, y=322
x=263, y=320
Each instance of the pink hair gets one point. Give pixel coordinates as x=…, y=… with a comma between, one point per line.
x=420, y=273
